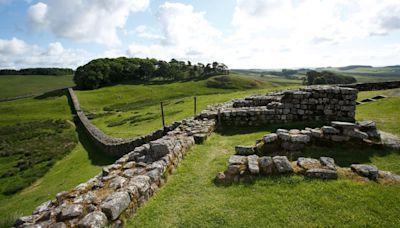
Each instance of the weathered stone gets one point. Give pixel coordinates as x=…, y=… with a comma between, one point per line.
x=329, y=130
x=357, y=134
x=253, y=164
x=24, y=219
x=269, y=138
x=300, y=138
x=244, y=150
x=284, y=136
x=96, y=219
x=237, y=160
x=339, y=138
x=328, y=162
x=129, y=165
x=70, y=211
x=154, y=174
x=282, y=164
x=115, y=204
x=118, y=182
x=233, y=170
x=308, y=163
x=158, y=149
x=282, y=131
x=389, y=176
x=220, y=178
x=57, y=225
x=43, y=207
x=294, y=131
x=369, y=171
x=291, y=146
x=316, y=133
x=142, y=182
x=266, y=165
x=325, y=174
x=367, y=125
x=343, y=125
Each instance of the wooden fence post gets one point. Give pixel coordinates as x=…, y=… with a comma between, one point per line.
x=195, y=105
x=162, y=115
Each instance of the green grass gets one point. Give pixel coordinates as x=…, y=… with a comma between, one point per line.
x=136, y=106
x=29, y=150
x=191, y=199
x=21, y=85
x=234, y=82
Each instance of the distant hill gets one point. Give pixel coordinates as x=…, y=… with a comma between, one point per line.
x=351, y=67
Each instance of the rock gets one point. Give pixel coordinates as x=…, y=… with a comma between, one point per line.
x=357, y=134
x=237, y=160
x=220, y=178
x=154, y=175
x=115, y=204
x=142, y=182
x=130, y=165
x=300, y=138
x=57, y=225
x=374, y=134
x=329, y=130
x=244, y=150
x=369, y=171
x=339, y=138
x=24, y=219
x=282, y=131
x=43, y=207
x=118, y=182
x=367, y=125
x=389, y=176
x=325, y=174
x=159, y=149
x=343, y=125
x=233, y=170
x=284, y=136
x=269, y=138
x=199, y=138
x=282, y=164
x=291, y=146
x=294, y=131
x=253, y=164
x=316, y=133
x=96, y=219
x=308, y=163
x=266, y=165
x=328, y=162
x=70, y=211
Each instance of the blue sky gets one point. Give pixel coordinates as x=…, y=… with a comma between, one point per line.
x=240, y=33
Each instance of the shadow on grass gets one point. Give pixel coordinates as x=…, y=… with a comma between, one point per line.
x=53, y=93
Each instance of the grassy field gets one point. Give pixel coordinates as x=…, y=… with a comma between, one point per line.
x=21, y=85
x=191, y=199
x=130, y=107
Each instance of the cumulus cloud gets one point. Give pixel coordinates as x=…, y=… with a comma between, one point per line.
x=16, y=53
x=94, y=21
x=185, y=34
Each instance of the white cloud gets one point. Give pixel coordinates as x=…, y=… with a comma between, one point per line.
x=90, y=21
x=186, y=34
x=15, y=53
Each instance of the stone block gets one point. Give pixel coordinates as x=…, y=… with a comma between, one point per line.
x=253, y=164
x=282, y=164
x=266, y=165
x=96, y=219
x=369, y=171
x=115, y=204
x=325, y=174
x=244, y=150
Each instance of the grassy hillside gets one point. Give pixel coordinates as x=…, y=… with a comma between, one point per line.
x=190, y=197
x=123, y=110
x=24, y=85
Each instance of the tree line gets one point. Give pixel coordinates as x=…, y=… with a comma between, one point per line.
x=327, y=77
x=38, y=71
x=106, y=71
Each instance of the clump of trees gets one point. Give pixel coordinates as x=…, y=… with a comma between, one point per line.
x=106, y=71
x=326, y=77
x=38, y=71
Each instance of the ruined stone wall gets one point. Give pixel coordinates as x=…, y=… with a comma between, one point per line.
x=114, y=146
x=373, y=85
x=317, y=103
x=122, y=187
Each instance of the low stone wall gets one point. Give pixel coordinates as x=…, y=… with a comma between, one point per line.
x=317, y=103
x=268, y=157
x=115, y=146
x=122, y=187
x=373, y=85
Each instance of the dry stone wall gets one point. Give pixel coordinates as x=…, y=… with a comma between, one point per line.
x=114, y=146
x=318, y=103
x=373, y=85
x=123, y=186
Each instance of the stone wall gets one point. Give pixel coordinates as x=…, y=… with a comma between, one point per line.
x=317, y=103
x=120, y=188
x=114, y=146
x=373, y=85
